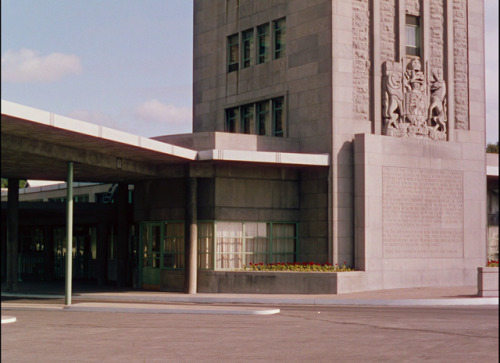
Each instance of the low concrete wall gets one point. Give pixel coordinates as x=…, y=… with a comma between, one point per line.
x=487, y=281
x=254, y=282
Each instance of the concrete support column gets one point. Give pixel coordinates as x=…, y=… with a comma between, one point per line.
x=102, y=255
x=69, y=236
x=191, y=236
x=13, y=235
x=122, y=225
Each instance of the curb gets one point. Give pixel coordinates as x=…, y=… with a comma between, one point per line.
x=301, y=301
x=475, y=301
x=8, y=319
x=155, y=309
x=137, y=308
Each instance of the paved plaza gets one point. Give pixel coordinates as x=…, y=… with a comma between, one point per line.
x=297, y=333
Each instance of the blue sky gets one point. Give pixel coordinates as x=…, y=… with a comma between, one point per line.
x=127, y=64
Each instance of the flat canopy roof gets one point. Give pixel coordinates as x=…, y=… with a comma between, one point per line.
x=38, y=145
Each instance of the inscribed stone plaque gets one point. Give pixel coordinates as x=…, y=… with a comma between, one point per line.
x=422, y=213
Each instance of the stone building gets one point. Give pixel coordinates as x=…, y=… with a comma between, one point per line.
x=340, y=131
x=393, y=91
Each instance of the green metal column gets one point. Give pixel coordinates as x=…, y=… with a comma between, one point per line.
x=69, y=234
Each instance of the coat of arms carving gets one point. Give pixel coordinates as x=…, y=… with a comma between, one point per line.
x=413, y=105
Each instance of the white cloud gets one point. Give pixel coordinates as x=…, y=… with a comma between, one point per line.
x=158, y=112
x=28, y=66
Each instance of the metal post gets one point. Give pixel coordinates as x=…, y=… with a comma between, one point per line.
x=69, y=234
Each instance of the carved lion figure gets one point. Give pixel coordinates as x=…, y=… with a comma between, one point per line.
x=437, y=108
x=393, y=99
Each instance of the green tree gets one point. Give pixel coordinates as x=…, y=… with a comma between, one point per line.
x=492, y=148
x=5, y=183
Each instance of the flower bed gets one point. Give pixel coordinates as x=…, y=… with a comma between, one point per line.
x=297, y=266
x=492, y=263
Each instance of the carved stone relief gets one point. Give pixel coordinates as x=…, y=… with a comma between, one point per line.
x=413, y=106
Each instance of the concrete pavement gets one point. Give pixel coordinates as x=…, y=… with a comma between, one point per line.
x=296, y=334
x=91, y=298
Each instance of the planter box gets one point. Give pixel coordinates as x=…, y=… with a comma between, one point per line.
x=254, y=282
x=487, y=281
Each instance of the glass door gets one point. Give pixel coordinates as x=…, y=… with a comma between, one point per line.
x=150, y=244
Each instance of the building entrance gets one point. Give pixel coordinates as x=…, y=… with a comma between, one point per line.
x=150, y=237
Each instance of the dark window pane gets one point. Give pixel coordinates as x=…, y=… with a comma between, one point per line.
x=278, y=117
x=232, y=116
x=279, y=38
x=233, y=52
x=248, y=48
x=263, y=117
x=263, y=43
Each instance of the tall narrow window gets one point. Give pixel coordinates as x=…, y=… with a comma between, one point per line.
x=279, y=38
x=247, y=119
x=173, y=245
x=232, y=116
x=412, y=35
x=248, y=48
x=233, y=50
x=205, y=245
x=263, y=43
x=278, y=117
x=263, y=117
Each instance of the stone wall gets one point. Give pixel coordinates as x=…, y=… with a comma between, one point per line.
x=437, y=34
x=361, y=59
x=303, y=76
x=460, y=50
x=413, y=7
x=420, y=211
x=250, y=194
x=313, y=227
x=388, y=30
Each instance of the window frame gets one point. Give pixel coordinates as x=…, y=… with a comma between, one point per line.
x=160, y=254
x=412, y=26
x=269, y=256
x=247, y=48
x=232, y=119
x=247, y=119
x=278, y=132
x=279, y=30
x=263, y=43
x=263, y=117
x=233, y=54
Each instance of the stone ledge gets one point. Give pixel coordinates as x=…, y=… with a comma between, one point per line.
x=487, y=281
x=269, y=282
x=282, y=282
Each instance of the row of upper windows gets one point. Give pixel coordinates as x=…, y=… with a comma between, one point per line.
x=251, y=54
x=260, y=118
